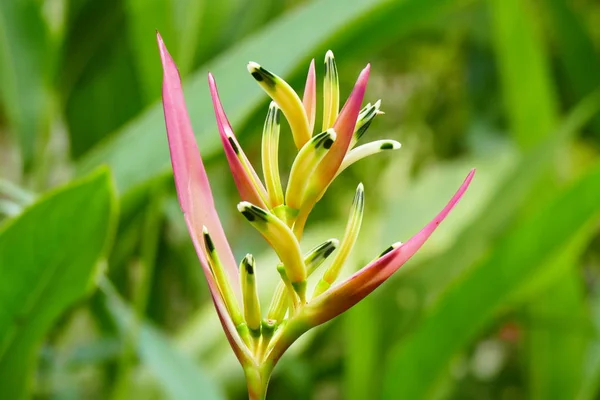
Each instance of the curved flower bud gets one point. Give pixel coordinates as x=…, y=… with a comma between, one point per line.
x=366, y=150
x=281, y=238
x=309, y=100
x=287, y=99
x=340, y=298
x=270, y=156
x=250, y=294
x=247, y=181
x=305, y=164
x=221, y=278
x=348, y=241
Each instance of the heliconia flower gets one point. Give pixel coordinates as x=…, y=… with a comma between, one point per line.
x=258, y=339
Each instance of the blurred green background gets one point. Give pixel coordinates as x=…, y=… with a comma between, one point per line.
x=101, y=293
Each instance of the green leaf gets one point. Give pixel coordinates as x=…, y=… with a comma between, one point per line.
x=361, y=344
x=178, y=375
x=27, y=59
x=529, y=99
x=97, y=60
x=48, y=257
x=557, y=333
x=590, y=377
x=139, y=152
x=473, y=298
x=144, y=18
x=578, y=57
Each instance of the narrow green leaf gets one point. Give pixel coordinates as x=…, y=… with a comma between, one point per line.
x=48, y=257
x=97, y=59
x=531, y=109
x=25, y=69
x=361, y=343
x=557, y=332
x=578, y=57
x=590, y=376
x=144, y=18
x=555, y=337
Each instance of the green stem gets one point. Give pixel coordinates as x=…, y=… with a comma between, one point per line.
x=257, y=378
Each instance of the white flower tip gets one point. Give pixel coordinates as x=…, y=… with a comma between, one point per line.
x=328, y=56
x=204, y=230
x=253, y=67
x=243, y=205
x=249, y=259
x=360, y=188
x=332, y=134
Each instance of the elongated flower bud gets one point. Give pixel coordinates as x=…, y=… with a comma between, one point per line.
x=348, y=241
x=250, y=295
x=270, y=156
x=305, y=164
x=283, y=241
x=331, y=92
x=366, y=150
x=221, y=278
x=287, y=99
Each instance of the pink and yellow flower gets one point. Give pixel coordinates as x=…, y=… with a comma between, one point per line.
x=259, y=339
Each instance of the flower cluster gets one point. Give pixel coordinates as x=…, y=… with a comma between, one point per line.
x=259, y=339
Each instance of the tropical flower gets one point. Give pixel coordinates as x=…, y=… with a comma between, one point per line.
x=259, y=339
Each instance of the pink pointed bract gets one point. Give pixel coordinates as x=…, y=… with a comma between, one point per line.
x=358, y=286
x=309, y=100
x=344, y=128
x=193, y=188
x=248, y=183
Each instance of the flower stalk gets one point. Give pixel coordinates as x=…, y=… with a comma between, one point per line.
x=258, y=340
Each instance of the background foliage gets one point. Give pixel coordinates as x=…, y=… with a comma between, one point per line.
x=101, y=292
